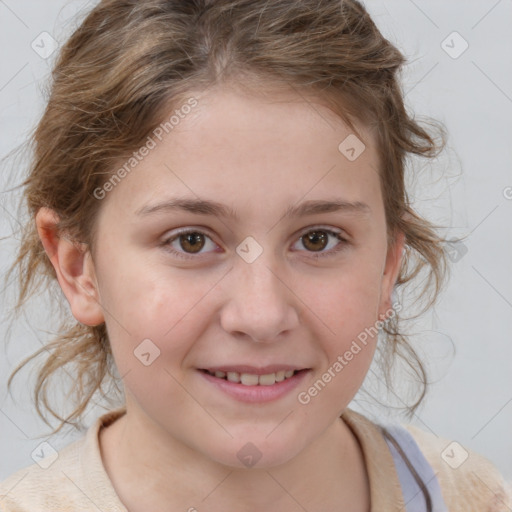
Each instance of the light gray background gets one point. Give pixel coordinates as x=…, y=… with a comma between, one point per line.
x=466, y=190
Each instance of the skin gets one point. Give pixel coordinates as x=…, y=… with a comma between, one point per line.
x=177, y=445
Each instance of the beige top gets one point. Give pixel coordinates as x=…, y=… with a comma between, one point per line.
x=77, y=481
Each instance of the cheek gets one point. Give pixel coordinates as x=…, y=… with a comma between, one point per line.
x=345, y=312
x=348, y=300
x=163, y=307
x=347, y=307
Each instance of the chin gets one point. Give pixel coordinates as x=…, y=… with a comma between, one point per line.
x=256, y=452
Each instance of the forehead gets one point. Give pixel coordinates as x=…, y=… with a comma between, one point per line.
x=248, y=151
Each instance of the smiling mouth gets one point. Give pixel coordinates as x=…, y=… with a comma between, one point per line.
x=251, y=379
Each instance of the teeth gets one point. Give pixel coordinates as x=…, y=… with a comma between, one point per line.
x=280, y=376
x=249, y=379
x=267, y=380
x=233, y=377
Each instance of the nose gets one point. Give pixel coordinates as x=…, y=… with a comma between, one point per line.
x=260, y=304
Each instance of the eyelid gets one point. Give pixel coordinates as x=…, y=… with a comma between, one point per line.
x=323, y=227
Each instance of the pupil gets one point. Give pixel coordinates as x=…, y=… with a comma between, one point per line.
x=192, y=242
x=313, y=238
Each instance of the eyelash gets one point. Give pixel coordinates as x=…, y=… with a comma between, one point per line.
x=187, y=256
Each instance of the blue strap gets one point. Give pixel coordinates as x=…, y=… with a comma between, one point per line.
x=414, y=497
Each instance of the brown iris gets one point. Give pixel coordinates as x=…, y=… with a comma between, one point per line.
x=315, y=240
x=192, y=242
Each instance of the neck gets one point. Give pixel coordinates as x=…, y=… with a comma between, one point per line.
x=150, y=470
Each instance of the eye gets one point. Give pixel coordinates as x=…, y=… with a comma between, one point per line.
x=188, y=242
x=323, y=242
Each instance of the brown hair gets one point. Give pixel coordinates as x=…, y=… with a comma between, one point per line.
x=129, y=61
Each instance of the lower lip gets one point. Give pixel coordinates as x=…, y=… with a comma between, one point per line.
x=257, y=393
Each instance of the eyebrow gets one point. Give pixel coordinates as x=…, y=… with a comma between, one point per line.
x=198, y=206
x=322, y=206
x=208, y=207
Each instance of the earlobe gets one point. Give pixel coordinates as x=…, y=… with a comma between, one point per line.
x=74, y=267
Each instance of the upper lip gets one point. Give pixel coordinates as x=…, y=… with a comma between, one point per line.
x=254, y=370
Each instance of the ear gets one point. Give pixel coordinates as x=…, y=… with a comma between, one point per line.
x=74, y=267
x=391, y=271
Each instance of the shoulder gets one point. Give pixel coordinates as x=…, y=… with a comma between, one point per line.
x=468, y=481
x=39, y=486
x=72, y=479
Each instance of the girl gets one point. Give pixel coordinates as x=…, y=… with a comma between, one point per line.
x=218, y=189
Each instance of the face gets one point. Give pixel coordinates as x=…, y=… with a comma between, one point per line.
x=245, y=242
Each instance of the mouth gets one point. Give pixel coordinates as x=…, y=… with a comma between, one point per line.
x=254, y=378
x=255, y=384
